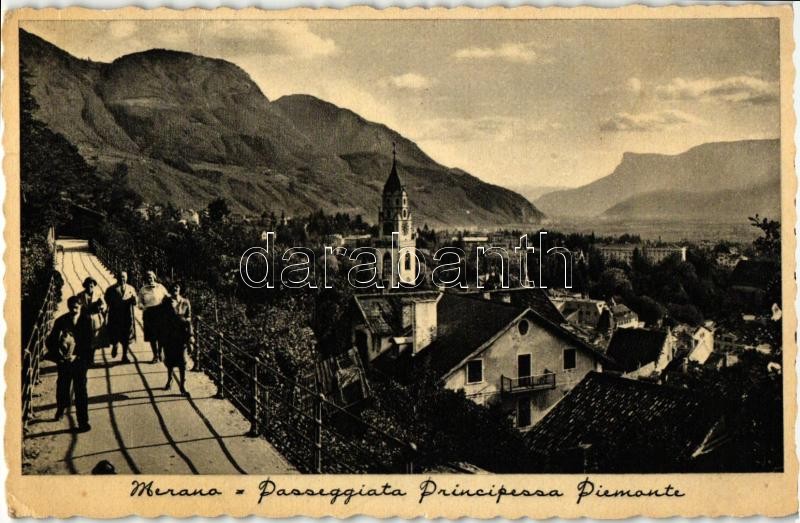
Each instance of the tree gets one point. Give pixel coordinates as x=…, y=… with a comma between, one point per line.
x=614, y=281
x=52, y=171
x=119, y=196
x=648, y=309
x=768, y=245
x=218, y=210
x=685, y=313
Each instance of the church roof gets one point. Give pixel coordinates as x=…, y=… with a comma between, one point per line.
x=393, y=183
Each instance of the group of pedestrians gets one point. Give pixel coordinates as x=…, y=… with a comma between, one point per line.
x=94, y=320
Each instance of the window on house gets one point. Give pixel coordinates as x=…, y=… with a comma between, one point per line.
x=570, y=356
x=523, y=327
x=524, y=417
x=475, y=371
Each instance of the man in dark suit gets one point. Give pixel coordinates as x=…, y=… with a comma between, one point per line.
x=70, y=345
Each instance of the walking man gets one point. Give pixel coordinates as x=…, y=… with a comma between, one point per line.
x=69, y=330
x=84, y=352
x=121, y=326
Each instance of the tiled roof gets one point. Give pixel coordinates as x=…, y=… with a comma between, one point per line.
x=620, y=309
x=615, y=418
x=569, y=309
x=465, y=323
x=384, y=312
x=533, y=297
x=634, y=348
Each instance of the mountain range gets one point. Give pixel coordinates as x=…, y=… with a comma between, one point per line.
x=189, y=129
x=532, y=191
x=718, y=181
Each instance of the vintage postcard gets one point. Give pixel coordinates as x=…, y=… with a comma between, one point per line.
x=443, y=263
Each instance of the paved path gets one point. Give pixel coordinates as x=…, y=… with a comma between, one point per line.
x=136, y=425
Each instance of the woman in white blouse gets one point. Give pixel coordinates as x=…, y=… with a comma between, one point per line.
x=151, y=294
x=94, y=308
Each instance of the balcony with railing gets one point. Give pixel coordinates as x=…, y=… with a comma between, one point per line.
x=544, y=381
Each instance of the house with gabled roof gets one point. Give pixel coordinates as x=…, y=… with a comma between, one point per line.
x=493, y=350
x=623, y=317
x=582, y=312
x=394, y=322
x=511, y=354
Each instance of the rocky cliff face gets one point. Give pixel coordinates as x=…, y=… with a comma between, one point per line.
x=736, y=167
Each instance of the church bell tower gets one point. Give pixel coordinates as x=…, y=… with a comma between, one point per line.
x=394, y=216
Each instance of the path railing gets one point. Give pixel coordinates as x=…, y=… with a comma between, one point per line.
x=34, y=350
x=314, y=433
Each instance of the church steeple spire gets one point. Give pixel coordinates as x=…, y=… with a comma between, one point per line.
x=393, y=184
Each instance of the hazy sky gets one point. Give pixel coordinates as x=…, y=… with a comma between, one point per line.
x=513, y=102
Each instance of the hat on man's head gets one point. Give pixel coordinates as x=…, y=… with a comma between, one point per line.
x=104, y=467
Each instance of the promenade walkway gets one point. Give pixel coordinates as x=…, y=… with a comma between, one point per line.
x=136, y=425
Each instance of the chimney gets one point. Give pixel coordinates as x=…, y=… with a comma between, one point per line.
x=424, y=323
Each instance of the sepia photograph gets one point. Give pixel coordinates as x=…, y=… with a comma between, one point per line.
x=425, y=246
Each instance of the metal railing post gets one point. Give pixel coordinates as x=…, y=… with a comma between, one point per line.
x=265, y=409
x=221, y=368
x=318, y=401
x=411, y=458
x=197, y=367
x=26, y=388
x=37, y=335
x=254, y=426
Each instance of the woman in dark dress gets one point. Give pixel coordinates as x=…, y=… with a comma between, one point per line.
x=174, y=337
x=121, y=325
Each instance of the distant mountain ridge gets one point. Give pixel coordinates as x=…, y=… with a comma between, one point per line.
x=728, y=205
x=191, y=128
x=533, y=192
x=647, y=185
